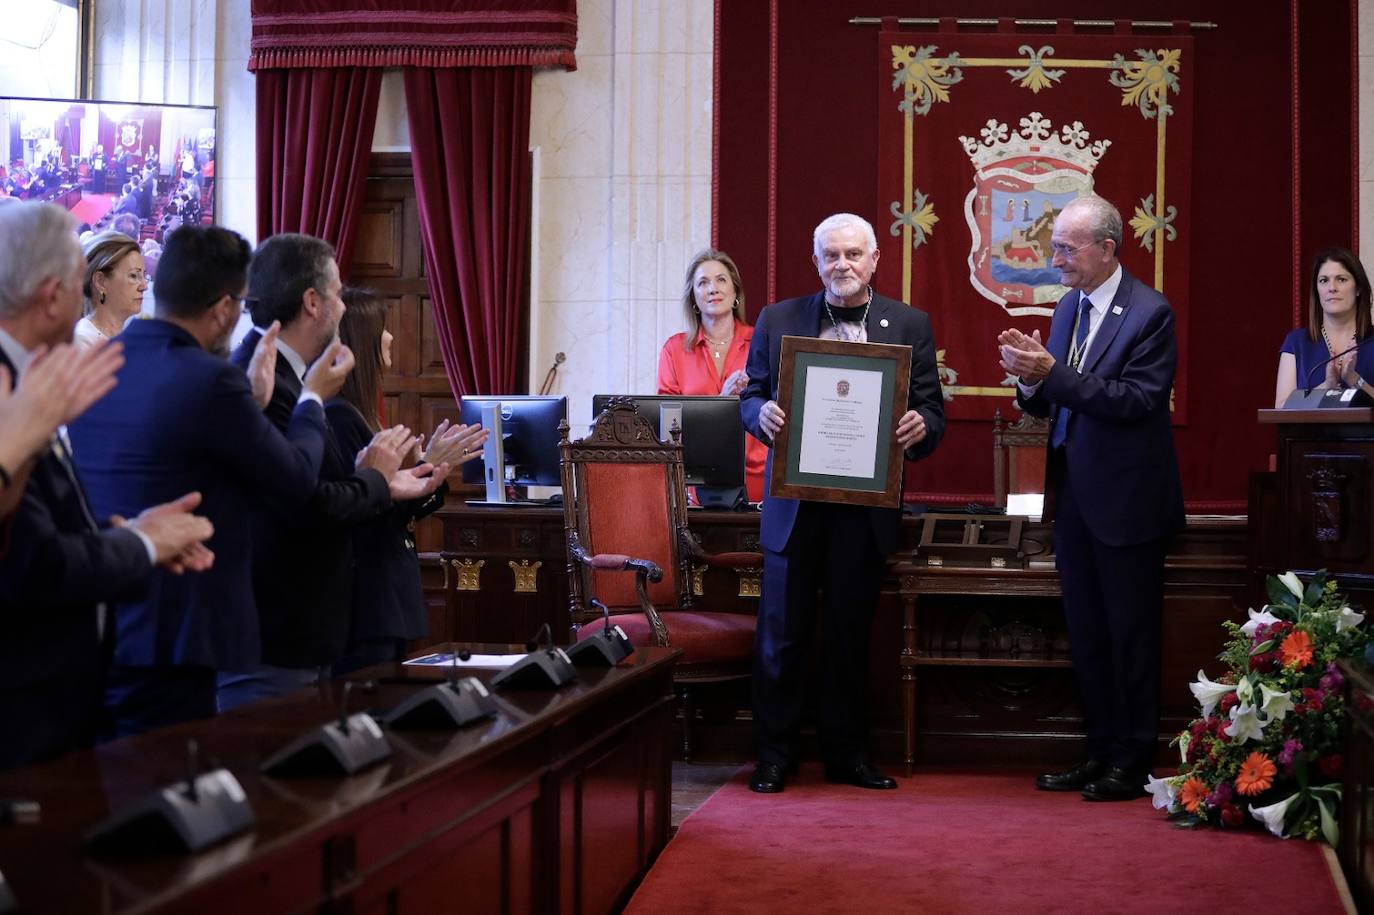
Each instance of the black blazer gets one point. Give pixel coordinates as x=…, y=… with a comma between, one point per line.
x=56, y=567
x=889, y=321
x=303, y=560
x=388, y=602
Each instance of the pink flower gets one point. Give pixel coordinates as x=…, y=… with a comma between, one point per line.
x=1291, y=747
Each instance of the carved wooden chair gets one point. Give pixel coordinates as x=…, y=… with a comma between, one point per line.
x=1018, y=456
x=625, y=514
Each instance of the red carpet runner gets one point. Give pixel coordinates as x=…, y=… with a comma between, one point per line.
x=967, y=843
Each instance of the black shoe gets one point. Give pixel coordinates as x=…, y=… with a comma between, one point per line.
x=768, y=779
x=860, y=775
x=1075, y=779
x=1117, y=785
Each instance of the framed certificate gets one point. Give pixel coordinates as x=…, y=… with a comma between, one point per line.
x=843, y=402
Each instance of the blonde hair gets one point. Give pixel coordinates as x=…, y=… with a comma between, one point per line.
x=103, y=251
x=689, y=300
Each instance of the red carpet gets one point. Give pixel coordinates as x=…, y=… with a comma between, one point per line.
x=967, y=843
x=92, y=207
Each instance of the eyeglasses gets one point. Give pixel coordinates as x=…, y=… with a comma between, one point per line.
x=1059, y=249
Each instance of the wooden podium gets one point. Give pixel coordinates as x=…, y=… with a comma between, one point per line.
x=1317, y=510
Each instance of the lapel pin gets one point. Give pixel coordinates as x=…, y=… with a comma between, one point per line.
x=883, y=322
x=1116, y=309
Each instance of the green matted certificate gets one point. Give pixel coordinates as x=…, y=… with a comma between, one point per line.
x=843, y=402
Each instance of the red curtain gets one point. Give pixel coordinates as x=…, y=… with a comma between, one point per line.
x=469, y=131
x=314, y=138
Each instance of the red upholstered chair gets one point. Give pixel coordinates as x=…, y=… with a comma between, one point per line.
x=625, y=513
x=1018, y=456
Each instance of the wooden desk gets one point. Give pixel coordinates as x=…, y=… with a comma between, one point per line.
x=559, y=804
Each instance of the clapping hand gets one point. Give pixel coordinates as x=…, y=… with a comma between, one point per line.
x=736, y=383
x=1024, y=356
x=454, y=445
x=262, y=368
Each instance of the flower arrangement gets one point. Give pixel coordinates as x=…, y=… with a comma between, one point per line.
x=1268, y=745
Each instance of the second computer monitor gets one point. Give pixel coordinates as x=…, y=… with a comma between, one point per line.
x=712, y=434
x=529, y=432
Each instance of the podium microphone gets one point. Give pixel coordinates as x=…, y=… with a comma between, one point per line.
x=1306, y=397
x=1307, y=386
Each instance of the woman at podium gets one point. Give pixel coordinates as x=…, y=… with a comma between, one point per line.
x=709, y=358
x=1330, y=352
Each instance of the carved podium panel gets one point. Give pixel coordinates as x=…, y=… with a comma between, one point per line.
x=1316, y=511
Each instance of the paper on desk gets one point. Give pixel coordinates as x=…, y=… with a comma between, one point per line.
x=445, y=659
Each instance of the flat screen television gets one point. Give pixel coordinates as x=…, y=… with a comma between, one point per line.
x=712, y=441
x=141, y=169
x=529, y=439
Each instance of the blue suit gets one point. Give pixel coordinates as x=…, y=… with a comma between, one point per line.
x=1113, y=492
x=838, y=548
x=183, y=420
x=56, y=565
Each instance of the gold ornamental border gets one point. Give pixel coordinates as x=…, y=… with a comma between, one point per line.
x=926, y=79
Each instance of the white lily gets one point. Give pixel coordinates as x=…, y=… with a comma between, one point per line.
x=1245, y=690
x=1292, y=583
x=1245, y=724
x=1208, y=693
x=1348, y=619
x=1272, y=815
x=1263, y=617
x=1162, y=792
x=1277, y=703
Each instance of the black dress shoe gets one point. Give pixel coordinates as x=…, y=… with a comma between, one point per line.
x=860, y=775
x=1075, y=779
x=1117, y=785
x=768, y=779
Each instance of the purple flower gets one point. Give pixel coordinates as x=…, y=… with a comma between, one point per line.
x=1220, y=796
x=1333, y=679
x=1291, y=747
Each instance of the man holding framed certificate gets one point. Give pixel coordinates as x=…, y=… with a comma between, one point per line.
x=856, y=376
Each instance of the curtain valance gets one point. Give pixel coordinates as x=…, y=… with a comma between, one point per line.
x=413, y=33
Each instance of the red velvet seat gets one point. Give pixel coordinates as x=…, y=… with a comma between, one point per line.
x=629, y=547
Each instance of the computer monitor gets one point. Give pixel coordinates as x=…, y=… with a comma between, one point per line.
x=712, y=440
x=528, y=441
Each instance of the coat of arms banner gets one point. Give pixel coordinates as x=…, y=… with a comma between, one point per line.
x=983, y=137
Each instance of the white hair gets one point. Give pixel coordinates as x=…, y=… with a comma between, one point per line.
x=37, y=243
x=840, y=221
x=1104, y=220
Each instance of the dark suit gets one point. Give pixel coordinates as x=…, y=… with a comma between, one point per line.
x=182, y=420
x=58, y=566
x=1113, y=491
x=303, y=560
x=834, y=547
x=388, y=602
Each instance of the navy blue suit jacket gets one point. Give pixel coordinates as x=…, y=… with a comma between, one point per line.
x=1120, y=446
x=181, y=419
x=889, y=321
x=55, y=569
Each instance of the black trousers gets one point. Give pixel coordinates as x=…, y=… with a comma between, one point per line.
x=832, y=550
x=142, y=699
x=55, y=716
x=1114, y=605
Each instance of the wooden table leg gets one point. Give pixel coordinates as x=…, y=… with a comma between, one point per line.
x=907, y=661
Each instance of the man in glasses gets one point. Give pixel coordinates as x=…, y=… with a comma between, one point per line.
x=1112, y=487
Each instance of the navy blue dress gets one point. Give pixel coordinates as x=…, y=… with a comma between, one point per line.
x=1311, y=353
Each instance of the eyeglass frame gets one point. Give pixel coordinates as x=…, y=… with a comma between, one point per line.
x=1058, y=250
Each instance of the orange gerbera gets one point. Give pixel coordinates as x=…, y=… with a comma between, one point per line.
x=1193, y=793
x=1296, y=650
x=1256, y=773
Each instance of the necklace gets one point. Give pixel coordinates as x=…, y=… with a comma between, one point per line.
x=1327, y=340
x=717, y=347
x=863, y=320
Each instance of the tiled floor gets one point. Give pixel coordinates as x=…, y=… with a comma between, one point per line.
x=693, y=783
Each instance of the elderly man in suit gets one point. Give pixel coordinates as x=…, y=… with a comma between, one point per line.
x=838, y=548
x=1103, y=379
x=303, y=559
x=183, y=417
x=60, y=567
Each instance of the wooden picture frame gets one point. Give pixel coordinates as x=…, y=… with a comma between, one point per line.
x=880, y=372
